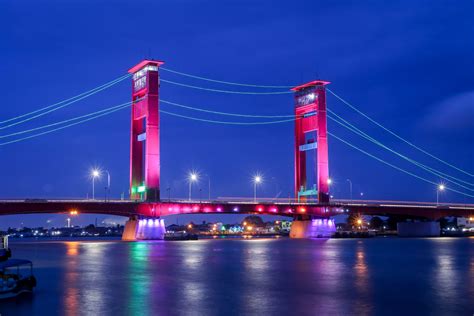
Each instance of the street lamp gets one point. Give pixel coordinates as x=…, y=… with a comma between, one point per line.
x=107, y=189
x=94, y=174
x=256, y=180
x=192, y=178
x=440, y=188
x=350, y=186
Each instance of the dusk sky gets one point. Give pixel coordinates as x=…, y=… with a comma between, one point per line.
x=407, y=64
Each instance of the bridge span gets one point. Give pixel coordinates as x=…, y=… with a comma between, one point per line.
x=140, y=209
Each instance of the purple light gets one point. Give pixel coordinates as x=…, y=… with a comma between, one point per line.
x=219, y=209
x=236, y=209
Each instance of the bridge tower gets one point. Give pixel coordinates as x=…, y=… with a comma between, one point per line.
x=145, y=132
x=311, y=135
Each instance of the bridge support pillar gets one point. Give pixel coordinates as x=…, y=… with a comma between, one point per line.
x=144, y=229
x=418, y=229
x=312, y=228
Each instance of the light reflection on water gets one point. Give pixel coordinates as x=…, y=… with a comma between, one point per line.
x=253, y=276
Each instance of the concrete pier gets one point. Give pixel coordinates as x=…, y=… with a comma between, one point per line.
x=418, y=229
x=313, y=228
x=144, y=229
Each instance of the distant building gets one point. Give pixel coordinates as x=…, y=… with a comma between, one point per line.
x=466, y=223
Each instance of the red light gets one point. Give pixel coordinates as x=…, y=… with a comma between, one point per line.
x=260, y=209
x=302, y=209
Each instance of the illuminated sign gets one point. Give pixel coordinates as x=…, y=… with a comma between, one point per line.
x=141, y=137
x=139, y=78
x=306, y=96
x=309, y=146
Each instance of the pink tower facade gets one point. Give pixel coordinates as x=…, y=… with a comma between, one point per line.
x=310, y=113
x=145, y=131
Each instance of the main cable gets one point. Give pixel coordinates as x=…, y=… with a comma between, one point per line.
x=359, y=132
x=126, y=104
x=68, y=101
x=223, y=91
x=224, y=82
x=226, y=122
x=395, y=167
x=398, y=136
x=285, y=87
x=223, y=113
x=63, y=127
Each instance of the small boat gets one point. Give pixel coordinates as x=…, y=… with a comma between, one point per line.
x=16, y=277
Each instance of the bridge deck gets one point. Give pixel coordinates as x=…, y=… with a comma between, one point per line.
x=150, y=209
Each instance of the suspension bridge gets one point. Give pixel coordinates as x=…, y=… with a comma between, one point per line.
x=312, y=206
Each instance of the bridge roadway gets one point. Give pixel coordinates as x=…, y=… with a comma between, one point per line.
x=282, y=207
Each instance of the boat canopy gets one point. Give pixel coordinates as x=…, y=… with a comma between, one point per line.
x=13, y=263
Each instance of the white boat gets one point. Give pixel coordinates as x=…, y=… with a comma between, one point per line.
x=16, y=277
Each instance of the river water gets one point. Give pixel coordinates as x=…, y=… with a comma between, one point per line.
x=378, y=276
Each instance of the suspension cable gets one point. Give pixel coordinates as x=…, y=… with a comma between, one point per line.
x=396, y=135
x=224, y=113
x=67, y=101
x=123, y=105
x=428, y=169
x=224, y=91
x=359, y=132
x=225, y=82
x=226, y=122
x=393, y=166
x=63, y=127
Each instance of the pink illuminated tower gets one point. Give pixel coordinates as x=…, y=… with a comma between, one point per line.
x=145, y=132
x=311, y=135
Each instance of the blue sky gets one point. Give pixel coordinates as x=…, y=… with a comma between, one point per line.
x=407, y=64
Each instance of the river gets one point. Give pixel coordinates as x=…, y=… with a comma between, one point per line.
x=377, y=276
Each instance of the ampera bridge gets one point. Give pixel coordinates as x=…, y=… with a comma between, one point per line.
x=311, y=208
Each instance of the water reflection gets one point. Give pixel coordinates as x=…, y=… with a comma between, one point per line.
x=328, y=275
x=258, y=284
x=94, y=276
x=71, y=278
x=257, y=277
x=445, y=276
x=72, y=248
x=362, y=284
x=139, y=278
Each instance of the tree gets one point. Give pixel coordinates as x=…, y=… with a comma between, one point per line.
x=253, y=220
x=376, y=222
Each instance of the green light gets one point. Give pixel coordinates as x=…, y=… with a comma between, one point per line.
x=134, y=189
x=141, y=189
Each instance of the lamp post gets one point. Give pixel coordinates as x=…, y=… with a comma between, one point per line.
x=107, y=190
x=350, y=186
x=441, y=188
x=192, y=177
x=95, y=174
x=256, y=180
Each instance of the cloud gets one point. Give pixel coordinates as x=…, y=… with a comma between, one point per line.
x=453, y=115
